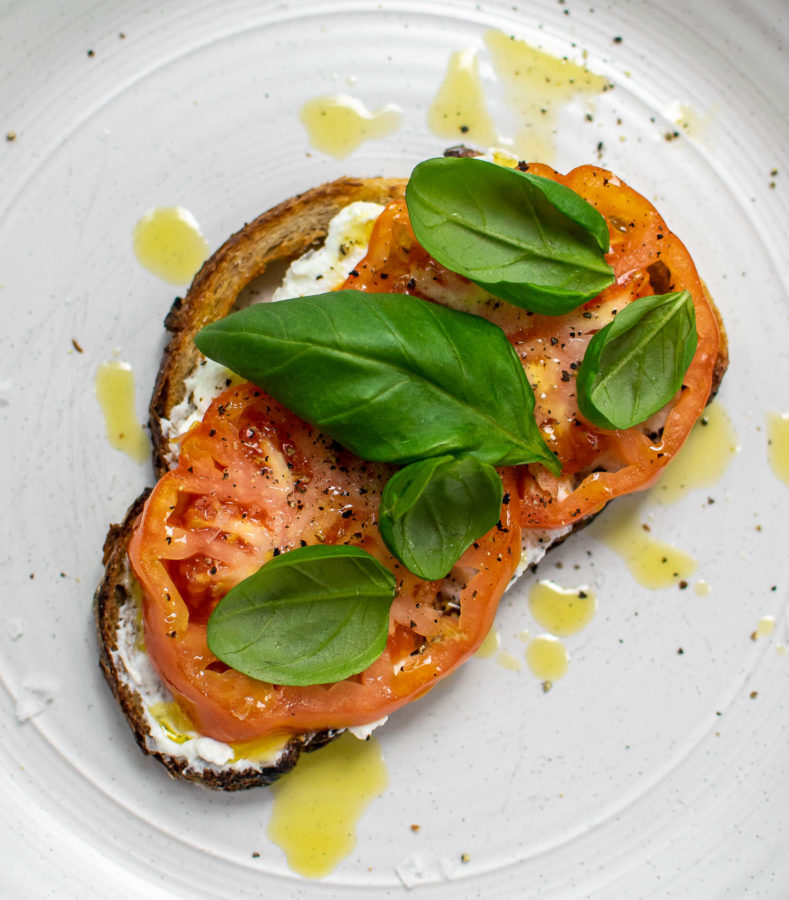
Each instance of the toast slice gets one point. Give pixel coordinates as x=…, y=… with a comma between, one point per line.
x=279, y=235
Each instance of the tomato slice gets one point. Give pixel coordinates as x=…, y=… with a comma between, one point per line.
x=252, y=481
x=597, y=465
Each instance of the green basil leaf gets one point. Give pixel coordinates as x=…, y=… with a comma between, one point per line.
x=311, y=616
x=635, y=364
x=391, y=377
x=432, y=510
x=523, y=238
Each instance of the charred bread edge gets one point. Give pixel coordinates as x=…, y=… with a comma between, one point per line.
x=280, y=234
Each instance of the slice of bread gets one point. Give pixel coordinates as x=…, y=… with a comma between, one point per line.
x=281, y=234
x=278, y=236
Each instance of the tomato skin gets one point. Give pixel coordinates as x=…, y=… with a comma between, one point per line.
x=252, y=480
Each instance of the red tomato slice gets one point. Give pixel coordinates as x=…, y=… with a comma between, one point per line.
x=252, y=481
x=597, y=465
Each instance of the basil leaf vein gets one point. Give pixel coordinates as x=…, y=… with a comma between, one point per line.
x=523, y=238
x=391, y=377
x=432, y=510
x=311, y=616
x=635, y=364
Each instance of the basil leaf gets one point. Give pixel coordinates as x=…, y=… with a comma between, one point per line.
x=635, y=364
x=311, y=616
x=391, y=377
x=523, y=238
x=432, y=510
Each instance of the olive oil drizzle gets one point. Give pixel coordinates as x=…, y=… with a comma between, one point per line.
x=114, y=389
x=778, y=445
x=710, y=447
x=318, y=805
x=337, y=124
x=168, y=242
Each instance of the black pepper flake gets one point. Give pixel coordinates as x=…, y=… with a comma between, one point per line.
x=618, y=39
x=566, y=376
x=212, y=432
x=411, y=284
x=354, y=273
x=505, y=499
x=464, y=129
x=523, y=166
x=587, y=315
x=276, y=551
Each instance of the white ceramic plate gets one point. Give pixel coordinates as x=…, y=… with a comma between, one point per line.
x=644, y=772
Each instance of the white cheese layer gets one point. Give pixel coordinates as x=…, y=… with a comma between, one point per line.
x=327, y=267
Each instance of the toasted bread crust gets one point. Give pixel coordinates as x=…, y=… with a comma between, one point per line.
x=283, y=233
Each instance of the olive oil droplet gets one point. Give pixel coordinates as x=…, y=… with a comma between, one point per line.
x=704, y=458
x=547, y=657
x=338, y=124
x=507, y=661
x=175, y=722
x=114, y=388
x=765, y=627
x=653, y=563
x=168, y=242
x=562, y=611
x=318, y=805
x=459, y=111
x=696, y=125
x=536, y=85
x=489, y=646
x=778, y=445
